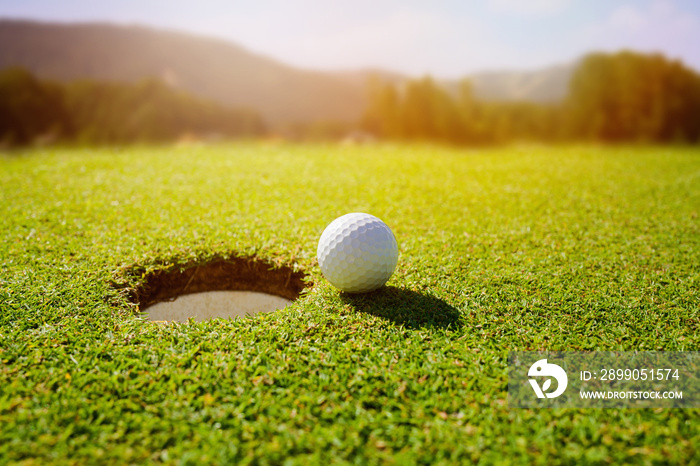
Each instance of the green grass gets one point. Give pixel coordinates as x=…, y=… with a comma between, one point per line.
x=500, y=250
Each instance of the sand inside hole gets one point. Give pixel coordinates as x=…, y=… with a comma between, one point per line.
x=215, y=304
x=224, y=288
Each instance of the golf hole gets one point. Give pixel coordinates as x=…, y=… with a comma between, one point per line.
x=221, y=289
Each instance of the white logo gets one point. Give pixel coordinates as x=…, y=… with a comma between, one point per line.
x=542, y=369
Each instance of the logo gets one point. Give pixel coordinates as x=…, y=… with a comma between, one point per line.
x=542, y=368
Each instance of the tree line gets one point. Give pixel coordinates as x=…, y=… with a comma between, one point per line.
x=33, y=110
x=622, y=97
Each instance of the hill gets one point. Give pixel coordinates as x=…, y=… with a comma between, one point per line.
x=227, y=73
x=88, y=112
x=210, y=68
x=546, y=85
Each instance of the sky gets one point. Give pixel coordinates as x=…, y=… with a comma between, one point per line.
x=444, y=38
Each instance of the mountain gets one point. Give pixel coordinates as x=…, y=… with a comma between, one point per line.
x=546, y=85
x=227, y=73
x=210, y=68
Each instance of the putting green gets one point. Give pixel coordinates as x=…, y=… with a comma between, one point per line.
x=509, y=249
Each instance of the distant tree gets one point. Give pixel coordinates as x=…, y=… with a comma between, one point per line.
x=466, y=106
x=30, y=109
x=629, y=96
x=420, y=110
x=382, y=115
x=99, y=112
x=425, y=110
x=613, y=97
x=149, y=111
x=417, y=116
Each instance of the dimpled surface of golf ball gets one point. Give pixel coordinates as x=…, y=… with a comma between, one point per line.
x=357, y=253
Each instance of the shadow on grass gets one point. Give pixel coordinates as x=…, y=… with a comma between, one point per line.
x=404, y=307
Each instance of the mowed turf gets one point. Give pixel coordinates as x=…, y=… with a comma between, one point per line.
x=505, y=249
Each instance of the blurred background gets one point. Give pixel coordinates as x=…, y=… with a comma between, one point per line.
x=468, y=73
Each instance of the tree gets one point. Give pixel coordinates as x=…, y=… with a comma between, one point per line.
x=633, y=97
x=382, y=115
x=111, y=113
x=30, y=109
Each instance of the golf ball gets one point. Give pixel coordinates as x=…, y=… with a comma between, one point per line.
x=357, y=253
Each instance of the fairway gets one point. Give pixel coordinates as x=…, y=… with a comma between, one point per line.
x=521, y=248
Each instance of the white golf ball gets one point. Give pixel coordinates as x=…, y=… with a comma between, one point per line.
x=357, y=253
